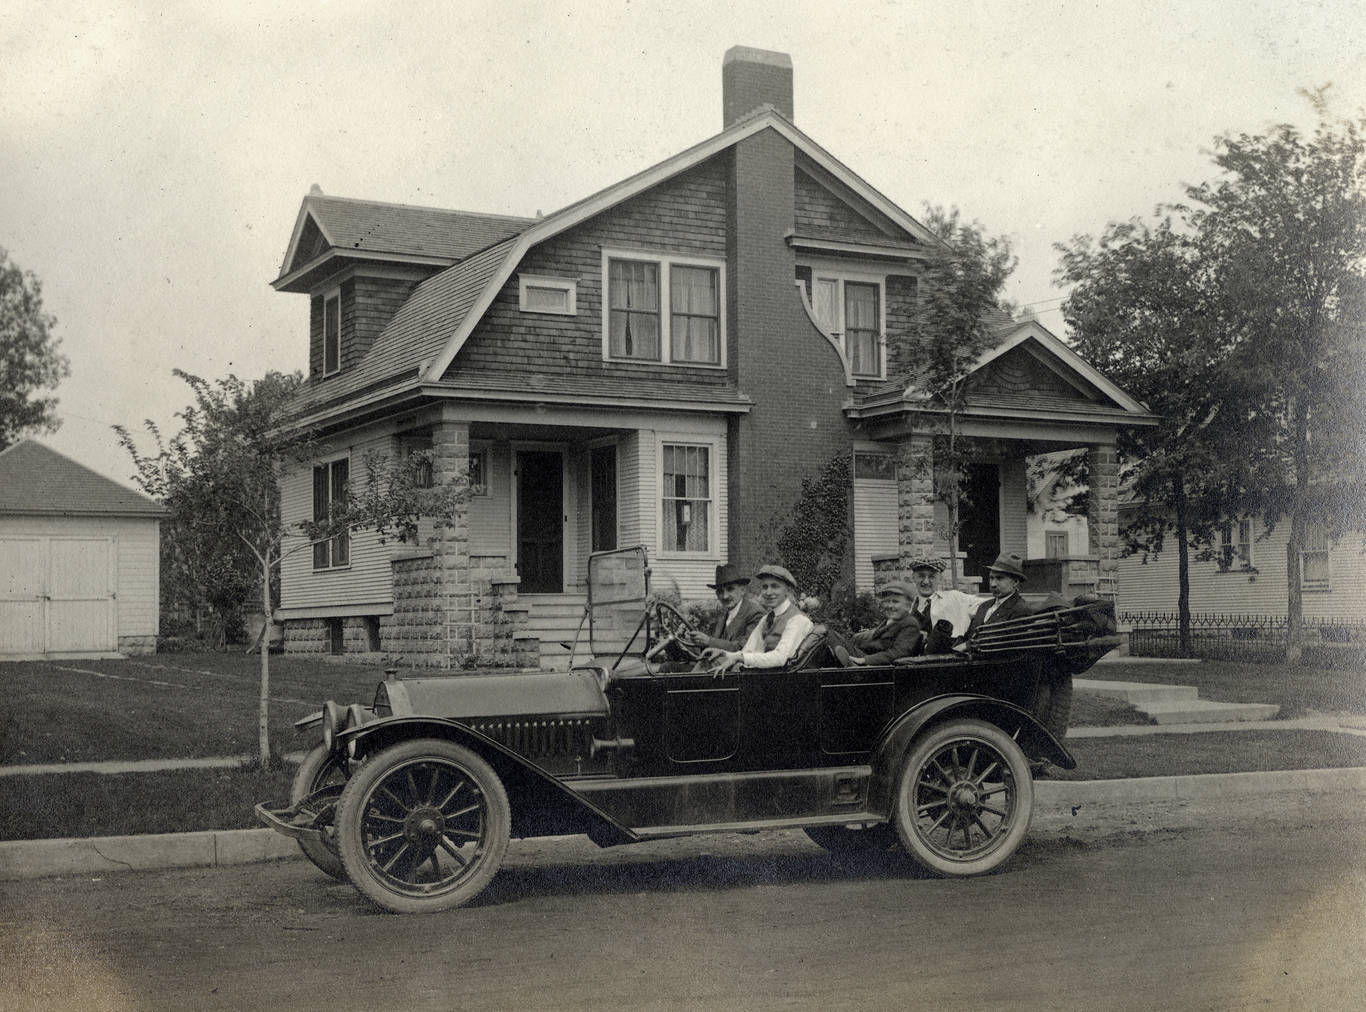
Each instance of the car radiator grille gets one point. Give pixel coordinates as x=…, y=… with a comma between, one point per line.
x=540, y=737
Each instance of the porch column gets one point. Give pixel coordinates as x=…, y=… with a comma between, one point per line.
x=451, y=544
x=914, y=499
x=1102, y=515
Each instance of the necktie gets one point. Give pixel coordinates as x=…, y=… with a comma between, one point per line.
x=768, y=622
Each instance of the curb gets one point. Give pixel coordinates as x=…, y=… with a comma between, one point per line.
x=30, y=859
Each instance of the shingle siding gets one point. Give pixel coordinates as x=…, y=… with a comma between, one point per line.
x=819, y=211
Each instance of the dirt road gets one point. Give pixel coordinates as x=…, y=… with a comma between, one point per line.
x=1215, y=905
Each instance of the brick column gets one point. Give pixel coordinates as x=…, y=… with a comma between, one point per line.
x=915, y=498
x=1102, y=516
x=451, y=544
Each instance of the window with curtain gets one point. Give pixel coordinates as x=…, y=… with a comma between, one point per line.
x=329, y=493
x=686, y=498
x=331, y=333
x=862, y=328
x=1235, y=545
x=695, y=317
x=633, y=287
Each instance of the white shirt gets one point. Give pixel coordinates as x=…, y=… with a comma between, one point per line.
x=753, y=654
x=954, y=605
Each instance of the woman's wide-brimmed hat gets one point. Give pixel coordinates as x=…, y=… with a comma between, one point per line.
x=1011, y=565
x=778, y=573
x=726, y=573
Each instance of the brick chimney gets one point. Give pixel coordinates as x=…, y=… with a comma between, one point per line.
x=751, y=78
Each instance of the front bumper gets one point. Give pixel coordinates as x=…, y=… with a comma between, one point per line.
x=310, y=819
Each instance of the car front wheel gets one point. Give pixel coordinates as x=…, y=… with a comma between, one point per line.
x=423, y=826
x=321, y=768
x=965, y=798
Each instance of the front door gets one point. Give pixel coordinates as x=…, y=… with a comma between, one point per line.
x=540, y=521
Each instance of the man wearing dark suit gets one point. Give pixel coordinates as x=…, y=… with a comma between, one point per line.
x=897, y=636
x=739, y=613
x=1004, y=577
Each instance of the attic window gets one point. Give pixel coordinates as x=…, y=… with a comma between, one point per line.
x=557, y=296
x=332, y=332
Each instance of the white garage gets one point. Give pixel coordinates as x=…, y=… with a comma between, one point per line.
x=79, y=559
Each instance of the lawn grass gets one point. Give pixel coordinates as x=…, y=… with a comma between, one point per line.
x=173, y=706
x=1297, y=689
x=1093, y=710
x=1157, y=755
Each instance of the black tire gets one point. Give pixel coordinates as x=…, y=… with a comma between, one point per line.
x=423, y=826
x=964, y=799
x=1052, y=703
x=858, y=842
x=320, y=768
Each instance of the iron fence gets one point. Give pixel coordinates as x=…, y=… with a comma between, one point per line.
x=1244, y=637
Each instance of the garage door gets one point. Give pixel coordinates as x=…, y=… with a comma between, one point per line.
x=57, y=595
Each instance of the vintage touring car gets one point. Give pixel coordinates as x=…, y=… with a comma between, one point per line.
x=413, y=798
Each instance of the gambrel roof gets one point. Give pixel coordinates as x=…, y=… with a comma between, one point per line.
x=36, y=480
x=419, y=344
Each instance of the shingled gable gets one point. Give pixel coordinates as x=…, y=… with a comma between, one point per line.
x=417, y=349
x=342, y=227
x=36, y=480
x=1072, y=388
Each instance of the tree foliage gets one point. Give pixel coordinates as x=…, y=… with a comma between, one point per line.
x=960, y=313
x=1238, y=318
x=30, y=360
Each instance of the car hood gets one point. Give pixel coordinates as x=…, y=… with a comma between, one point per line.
x=533, y=694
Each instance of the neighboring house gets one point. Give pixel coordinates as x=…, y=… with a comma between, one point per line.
x=659, y=363
x=79, y=559
x=1248, y=575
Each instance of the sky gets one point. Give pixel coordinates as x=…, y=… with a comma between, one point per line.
x=153, y=156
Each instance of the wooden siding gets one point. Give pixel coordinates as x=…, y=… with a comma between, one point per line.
x=1153, y=586
x=875, y=526
x=490, y=516
x=368, y=580
x=685, y=215
x=137, y=551
x=821, y=212
x=1014, y=507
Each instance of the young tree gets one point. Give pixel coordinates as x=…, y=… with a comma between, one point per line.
x=29, y=358
x=220, y=479
x=960, y=312
x=1286, y=226
x=1142, y=310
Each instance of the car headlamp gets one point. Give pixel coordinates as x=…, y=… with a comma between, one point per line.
x=334, y=722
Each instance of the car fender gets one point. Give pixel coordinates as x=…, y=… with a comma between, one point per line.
x=895, y=741
x=523, y=779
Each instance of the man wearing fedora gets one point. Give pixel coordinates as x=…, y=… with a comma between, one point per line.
x=739, y=613
x=897, y=636
x=773, y=641
x=1004, y=577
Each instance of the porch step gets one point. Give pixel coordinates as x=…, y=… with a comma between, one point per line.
x=553, y=619
x=1176, y=704
x=1204, y=711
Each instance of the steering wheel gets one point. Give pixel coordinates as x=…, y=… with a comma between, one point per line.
x=674, y=625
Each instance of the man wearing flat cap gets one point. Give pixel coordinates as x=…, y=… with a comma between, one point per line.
x=739, y=613
x=774, y=640
x=933, y=606
x=1004, y=577
x=897, y=636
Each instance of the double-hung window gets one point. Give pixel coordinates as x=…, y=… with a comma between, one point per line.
x=663, y=309
x=331, y=332
x=1235, y=545
x=686, y=497
x=1315, y=568
x=850, y=309
x=329, y=493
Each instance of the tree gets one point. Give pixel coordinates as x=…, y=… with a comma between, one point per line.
x=1286, y=226
x=960, y=311
x=1143, y=310
x=29, y=358
x=220, y=479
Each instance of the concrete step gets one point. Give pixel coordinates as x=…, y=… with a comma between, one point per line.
x=1136, y=693
x=1203, y=711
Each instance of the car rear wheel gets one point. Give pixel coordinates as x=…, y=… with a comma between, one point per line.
x=321, y=768
x=965, y=798
x=423, y=826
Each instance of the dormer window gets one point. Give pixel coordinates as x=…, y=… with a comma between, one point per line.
x=667, y=309
x=332, y=332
